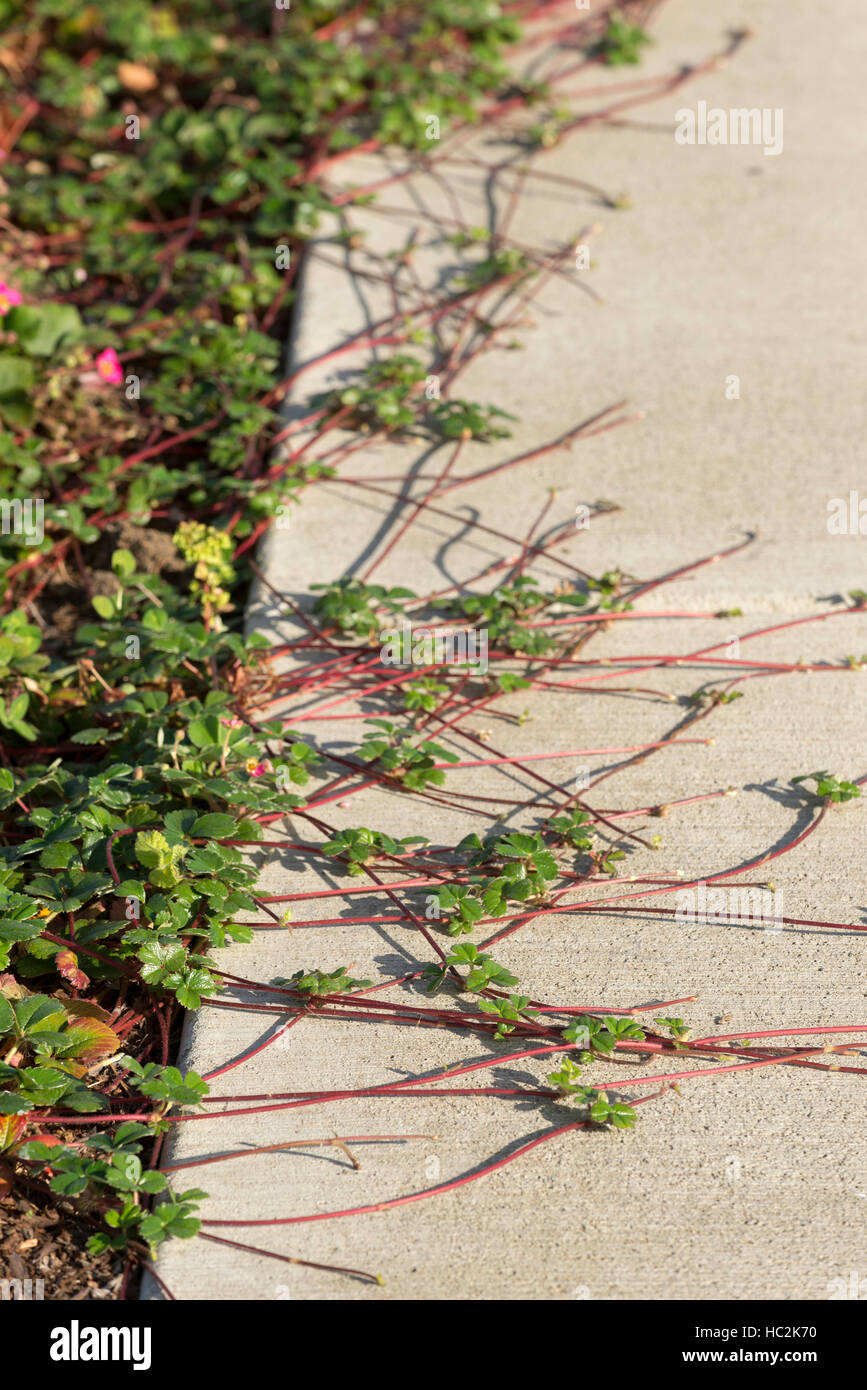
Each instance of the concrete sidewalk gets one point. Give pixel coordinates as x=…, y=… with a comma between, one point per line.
x=728, y=264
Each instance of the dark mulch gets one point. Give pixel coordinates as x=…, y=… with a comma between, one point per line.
x=41, y=1240
x=65, y=602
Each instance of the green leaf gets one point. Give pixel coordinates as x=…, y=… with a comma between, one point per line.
x=104, y=606
x=7, y=1018
x=38, y=1012
x=11, y=929
x=16, y=373
x=47, y=1080
x=152, y=1182
x=185, y=1227
x=12, y=1104
x=17, y=410
x=58, y=856
x=204, y=732
x=130, y=888
x=152, y=848
x=151, y=1227
x=123, y=563
x=42, y=328
x=129, y=1165
x=622, y=1116
x=214, y=826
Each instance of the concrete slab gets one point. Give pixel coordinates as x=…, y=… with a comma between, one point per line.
x=729, y=263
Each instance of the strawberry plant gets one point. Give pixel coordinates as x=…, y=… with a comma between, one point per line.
x=482, y=970
x=362, y=846
x=109, y=1170
x=600, y=1110
x=423, y=694
x=608, y=587
x=518, y=867
x=622, y=42
x=572, y=829
x=459, y=905
x=316, y=984
x=828, y=786
x=457, y=419
x=508, y=1012
x=600, y=1036
x=679, y=1030
x=412, y=765
x=358, y=609
x=383, y=399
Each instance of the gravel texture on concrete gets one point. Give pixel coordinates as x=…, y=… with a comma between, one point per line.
x=727, y=263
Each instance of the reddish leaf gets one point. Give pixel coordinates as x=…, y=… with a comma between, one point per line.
x=94, y=1039
x=10, y=1128
x=48, y=1139
x=67, y=964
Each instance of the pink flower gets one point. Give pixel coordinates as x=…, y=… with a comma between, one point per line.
x=8, y=297
x=232, y=723
x=108, y=366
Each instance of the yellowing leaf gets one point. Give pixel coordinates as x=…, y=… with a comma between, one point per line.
x=67, y=964
x=94, y=1040
x=137, y=77
x=10, y=1128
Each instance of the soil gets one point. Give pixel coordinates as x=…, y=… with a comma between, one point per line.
x=41, y=1241
x=154, y=551
x=64, y=604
